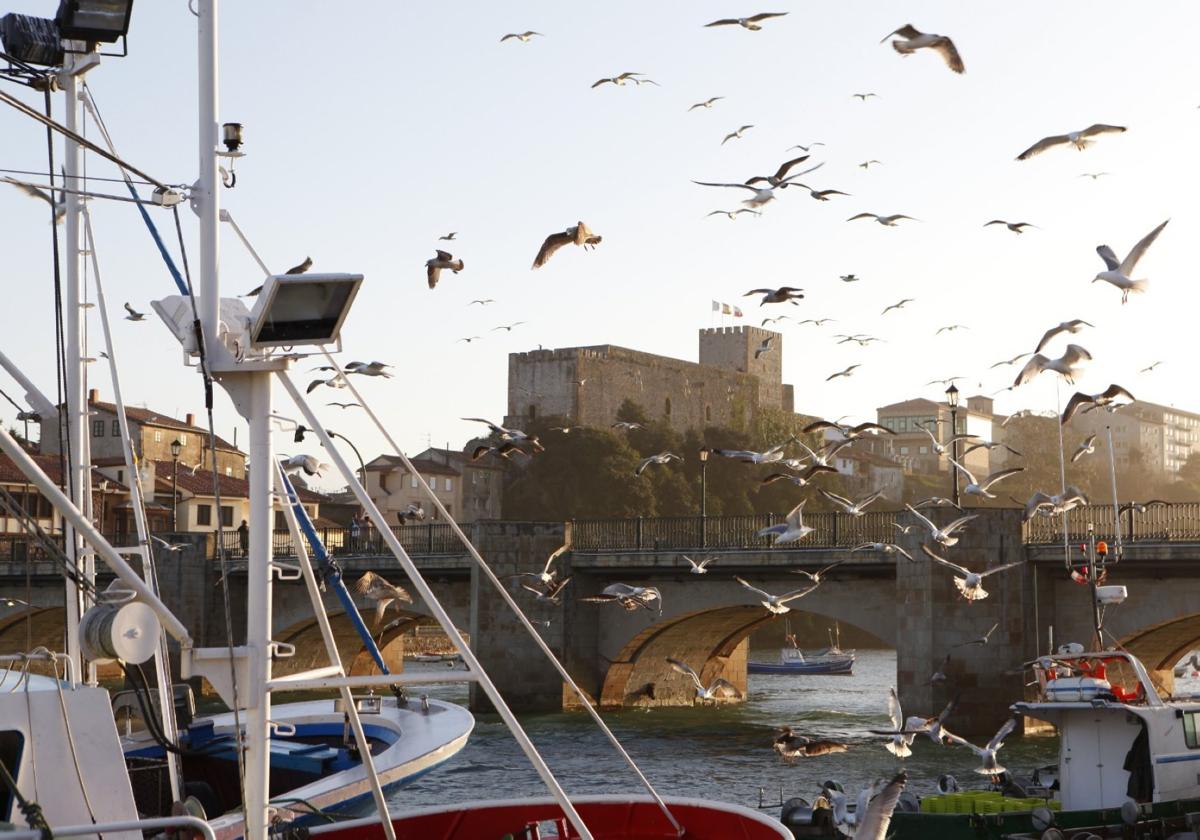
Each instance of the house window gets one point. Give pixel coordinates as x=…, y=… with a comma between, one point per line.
x=532, y=412
x=229, y=471
x=474, y=477
x=667, y=407
x=116, y=428
x=924, y=450
x=1189, y=729
x=903, y=450
x=448, y=485
x=158, y=436
x=413, y=481
x=708, y=414
x=226, y=516
x=183, y=439
x=203, y=514
x=433, y=482
x=97, y=428
x=120, y=476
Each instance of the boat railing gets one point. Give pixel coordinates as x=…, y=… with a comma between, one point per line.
x=99, y=829
x=1126, y=677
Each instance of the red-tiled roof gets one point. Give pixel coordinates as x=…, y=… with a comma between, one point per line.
x=201, y=483
x=50, y=464
x=422, y=465
x=154, y=418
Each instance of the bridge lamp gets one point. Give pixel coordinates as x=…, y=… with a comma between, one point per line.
x=704, y=453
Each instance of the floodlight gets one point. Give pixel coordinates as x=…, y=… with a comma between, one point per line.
x=302, y=309
x=231, y=136
x=32, y=40
x=94, y=20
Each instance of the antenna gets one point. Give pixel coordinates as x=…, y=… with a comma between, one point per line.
x=1112, y=471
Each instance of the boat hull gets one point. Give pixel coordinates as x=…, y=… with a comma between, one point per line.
x=607, y=817
x=843, y=666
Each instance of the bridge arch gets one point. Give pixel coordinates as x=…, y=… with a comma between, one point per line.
x=310, y=648
x=1161, y=645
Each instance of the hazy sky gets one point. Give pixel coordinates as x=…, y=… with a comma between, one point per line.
x=370, y=134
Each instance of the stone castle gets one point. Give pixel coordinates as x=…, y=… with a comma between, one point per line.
x=727, y=387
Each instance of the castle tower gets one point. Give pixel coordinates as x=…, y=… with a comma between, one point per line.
x=732, y=348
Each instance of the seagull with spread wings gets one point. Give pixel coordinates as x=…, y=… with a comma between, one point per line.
x=753, y=23
x=780, y=176
x=737, y=135
x=619, y=80
x=942, y=536
x=790, y=530
x=975, y=487
x=1087, y=447
x=660, y=458
x=523, y=37
x=134, y=315
x=784, y=294
x=914, y=39
x=1079, y=139
x=442, y=259
x=1110, y=399
x=630, y=598
x=776, y=604
x=59, y=205
x=762, y=195
x=887, y=549
x=980, y=641
x=789, y=746
x=1068, y=365
x=733, y=214
x=1118, y=272
x=376, y=588
x=968, y=583
x=1015, y=227
x=886, y=221
x=1073, y=326
x=872, y=817
x=718, y=689
x=849, y=371
x=1043, y=504
x=577, y=234
x=899, y=305
x=699, y=567
x=853, y=508
x=708, y=103
x=547, y=575
x=990, y=765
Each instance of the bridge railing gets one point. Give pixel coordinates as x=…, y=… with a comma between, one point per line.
x=1177, y=521
x=427, y=538
x=831, y=530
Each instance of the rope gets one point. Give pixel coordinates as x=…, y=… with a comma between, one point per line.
x=30, y=810
x=1062, y=472
x=62, y=704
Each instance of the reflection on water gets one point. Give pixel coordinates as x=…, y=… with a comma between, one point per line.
x=719, y=753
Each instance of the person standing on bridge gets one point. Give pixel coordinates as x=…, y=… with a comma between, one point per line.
x=243, y=532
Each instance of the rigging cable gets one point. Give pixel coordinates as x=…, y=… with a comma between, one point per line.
x=62, y=704
x=30, y=810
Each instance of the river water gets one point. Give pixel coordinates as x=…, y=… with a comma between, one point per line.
x=721, y=753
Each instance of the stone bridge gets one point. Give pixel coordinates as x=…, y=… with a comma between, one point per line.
x=619, y=657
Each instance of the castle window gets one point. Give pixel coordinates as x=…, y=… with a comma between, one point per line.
x=532, y=412
x=708, y=414
x=667, y=407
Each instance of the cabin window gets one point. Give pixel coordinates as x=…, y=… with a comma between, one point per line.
x=11, y=743
x=1189, y=729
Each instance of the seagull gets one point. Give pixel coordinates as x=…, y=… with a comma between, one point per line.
x=442, y=259
x=737, y=135
x=849, y=278
x=1110, y=399
x=864, y=96
x=508, y=327
x=900, y=740
x=415, y=512
x=720, y=689
x=761, y=194
x=733, y=214
x=547, y=575
x=951, y=328
x=884, y=548
x=1079, y=139
x=345, y=405
x=376, y=588
x=449, y=237
x=774, y=320
x=784, y=294
x=627, y=426
x=854, y=508
x=942, y=536
x=915, y=39
x=899, y=305
x=482, y=302
x=886, y=221
x=975, y=487
x=523, y=37
x=819, y=195
x=847, y=372
x=982, y=641
x=776, y=604
x=1086, y=448
x=60, y=206
x=1150, y=368
x=753, y=23
x=989, y=445
x=301, y=268
x=505, y=450
x=1073, y=326
x=940, y=674
x=819, y=574
x=990, y=766
x=619, y=80
x=368, y=369
x=660, y=458
x=1067, y=365
x=848, y=432
x=807, y=148
x=708, y=103
x=801, y=480
x=1117, y=273
x=629, y=597
x=932, y=501
x=764, y=347
x=468, y=339
x=971, y=583
x=1094, y=175
x=1011, y=361
x=308, y=464
x=550, y=593
x=780, y=177
x=1015, y=227
x=792, y=528
x=820, y=322
x=169, y=546
x=701, y=567
x=873, y=816
x=515, y=435
x=134, y=315
x=866, y=164
x=577, y=234
x=338, y=380
x=790, y=746
x=1042, y=504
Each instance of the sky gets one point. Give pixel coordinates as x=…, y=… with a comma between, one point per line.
x=371, y=134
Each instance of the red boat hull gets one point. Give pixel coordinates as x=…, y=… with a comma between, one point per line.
x=607, y=818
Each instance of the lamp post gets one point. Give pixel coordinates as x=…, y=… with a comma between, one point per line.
x=362, y=467
x=704, y=453
x=952, y=401
x=176, y=448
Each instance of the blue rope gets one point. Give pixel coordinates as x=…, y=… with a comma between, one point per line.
x=162, y=249
x=332, y=574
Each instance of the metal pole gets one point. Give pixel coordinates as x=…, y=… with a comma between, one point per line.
x=361, y=464
x=175, y=494
x=703, y=502
x=954, y=453
x=205, y=198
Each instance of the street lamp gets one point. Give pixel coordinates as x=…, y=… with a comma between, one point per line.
x=704, y=453
x=952, y=401
x=176, y=448
x=361, y=466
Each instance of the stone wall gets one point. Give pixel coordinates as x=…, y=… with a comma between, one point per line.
x=732, y=348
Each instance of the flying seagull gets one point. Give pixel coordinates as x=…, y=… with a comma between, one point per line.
x=899, y=305
x=1011, y=361
x=627, y=426
x=1073, y=326
x=1067, y=365
x=134, y=315
x=761, y=194
x=850, y=278
x=1150, y=368
x=483, y=302
x=708, y=103
x=990, y=765
x=975, y=487
x=864, y=96
x=1111, y=398
x=449, y=237
x=867, y=164
x=1118, y=273
x=764, y=347
x=547, y=575
x=660, y=458
x=791, y=530
x=1015, y=227
x=951, y=328
x=784, y=294
x=1079, y=139
x=629, y=597
x=989, y=445
x=970, y=584
x=507, y=327
x=619, y=80
x=847, y=372
x=819, y=574
x=551, y=592
x=872, y=817
x=699, y=567
x=1042, y=504
x=854, y=508
x=737, y=135
x=376, y=588
x=442, y=259
x=847, y=432
x=943, y=536
x=719, y=689
x=980, y=641
x=807, y=148
x=1094, y=175
x=886, y=549
x=577, y=234
x=818, y=195
x=781, y=174
x=308, y=464
x=523, y=37
x=60, y=206
x=1087, y=447
x=776, y=604
x=915, y=39
x=886, y=221
x=733, y=214
x=753, y=23
x=368, y=369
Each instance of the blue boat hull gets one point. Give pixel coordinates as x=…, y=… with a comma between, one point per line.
x=841, y=666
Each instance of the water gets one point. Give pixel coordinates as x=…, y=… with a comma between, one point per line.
x=722, y=753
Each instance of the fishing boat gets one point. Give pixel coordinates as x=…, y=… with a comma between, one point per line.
x=1127, y=762
x=261, y=769
x=792, y=660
